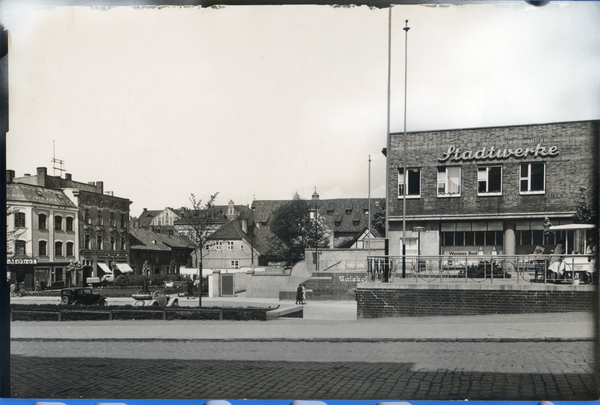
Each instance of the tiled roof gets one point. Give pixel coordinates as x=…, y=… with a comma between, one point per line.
x=218, y=211
x=233, y=231
x=35, y=194
x=144, y=239
x=147, y=216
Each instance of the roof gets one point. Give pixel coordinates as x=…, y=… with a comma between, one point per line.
x=219, y=212
x=35, y=194
x=144, y=239
x=341, y=214
x=147, y=216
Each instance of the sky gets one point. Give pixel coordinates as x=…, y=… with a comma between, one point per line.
x=260, y=102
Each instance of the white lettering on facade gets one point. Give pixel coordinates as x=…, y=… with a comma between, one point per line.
x=352, y=279
x=454, y=153
x=21, y=261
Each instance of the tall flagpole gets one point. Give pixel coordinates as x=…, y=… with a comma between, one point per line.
x=388, y=136
x=405, y=186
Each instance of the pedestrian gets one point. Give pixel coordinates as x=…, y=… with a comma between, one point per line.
x=299, y=294
x=190, y=288
x=42, y=285
x=303, y=294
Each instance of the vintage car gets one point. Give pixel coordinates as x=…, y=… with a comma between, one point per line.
x=81, y=296
x=157, y=298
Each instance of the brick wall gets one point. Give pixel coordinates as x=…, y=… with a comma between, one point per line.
x=575, y=166
x=385, y=301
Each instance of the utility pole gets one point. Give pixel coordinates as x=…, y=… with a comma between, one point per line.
x=405, y=186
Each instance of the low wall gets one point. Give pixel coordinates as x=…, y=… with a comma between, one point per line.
x=336, y=286
x=376, y=300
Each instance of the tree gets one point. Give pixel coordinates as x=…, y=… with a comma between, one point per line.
x=296, y=230
x=378, y=220
x=200, y=221
x=583, y=210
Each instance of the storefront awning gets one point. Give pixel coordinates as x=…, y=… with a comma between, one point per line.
x=571, y=227
x=105, y=268
x=124, y=267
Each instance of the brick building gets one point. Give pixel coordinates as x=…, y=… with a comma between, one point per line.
x=489, y=190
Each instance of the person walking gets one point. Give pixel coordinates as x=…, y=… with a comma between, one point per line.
x=299, y=294
x=303, y=294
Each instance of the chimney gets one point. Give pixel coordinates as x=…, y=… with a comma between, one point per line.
x=68, y=176
x=10, y=175
x=100, y=187
x=145, y=209
x=41, y=176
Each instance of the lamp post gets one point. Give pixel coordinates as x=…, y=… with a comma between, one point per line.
x=405, y=174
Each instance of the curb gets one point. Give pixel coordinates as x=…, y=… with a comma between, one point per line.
x=318, y=340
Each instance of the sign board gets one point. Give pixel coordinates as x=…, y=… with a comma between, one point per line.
x=21, y=261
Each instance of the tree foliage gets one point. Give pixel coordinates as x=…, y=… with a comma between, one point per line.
x=296, y=230
x=583, y=210
x=378, y=220
x=12, y=235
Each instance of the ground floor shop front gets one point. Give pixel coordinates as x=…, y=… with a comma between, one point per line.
x=472, y=237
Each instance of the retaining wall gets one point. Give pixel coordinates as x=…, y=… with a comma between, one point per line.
x=376, y=300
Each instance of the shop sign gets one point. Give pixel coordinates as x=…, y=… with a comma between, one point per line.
x=21, y=261
x=463, y=253
x=454, y=153
x=353, y=279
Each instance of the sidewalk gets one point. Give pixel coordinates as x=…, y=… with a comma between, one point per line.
x=324, y=321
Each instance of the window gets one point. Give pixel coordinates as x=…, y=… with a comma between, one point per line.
x=19, y=220
x=58, y=274
x=112, y=219
x=122, y=220
x=42, y=248
x=229, y=245
x=86, y=216
x=235, y=264
x=58, y=249
x=113, y=243
x=69, y=248
x=99, y=242
x=57, y=223
x=472, y=238
x=42, y=221
x=99, y=218
x=207, y=247
x=448, y=181
x=219, y=245
x=532, y=178
x=122, y=243
x=414, y=183
x=489, y=180
x=20, y=247
x=86, y=242
x=241, y=246
x=69, y=223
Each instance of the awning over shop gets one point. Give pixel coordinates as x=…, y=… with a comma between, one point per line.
x=124, y=267
x=105, y=268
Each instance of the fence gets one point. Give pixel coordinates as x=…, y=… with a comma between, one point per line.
x=109, y=314
x=574, y=269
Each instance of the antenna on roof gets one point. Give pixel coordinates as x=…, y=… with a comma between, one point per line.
x=55, y=162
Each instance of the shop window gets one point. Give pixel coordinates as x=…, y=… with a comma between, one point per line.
x=479, y=238
x=20, y=247
x=69, y=223
x=19, y=220
x=448, y=181
x=58, y=274
x=489, y=180
x=532, y=178
x=413, y=179
x=58, y=249
x=69, y=248
x=42, y=246
x=42, y=221
x=57, y=223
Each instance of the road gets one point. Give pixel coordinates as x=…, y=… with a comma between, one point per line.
x=305, y=370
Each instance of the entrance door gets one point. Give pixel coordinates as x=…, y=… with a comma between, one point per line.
x=227, y=284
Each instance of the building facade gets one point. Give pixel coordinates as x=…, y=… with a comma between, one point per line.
x=162, y=253
x=489, y=190
x=102, y=218
x=43, y=225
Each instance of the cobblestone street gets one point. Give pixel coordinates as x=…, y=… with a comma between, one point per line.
x=305, y=370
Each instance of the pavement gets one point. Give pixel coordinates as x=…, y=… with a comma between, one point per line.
x=322, y=321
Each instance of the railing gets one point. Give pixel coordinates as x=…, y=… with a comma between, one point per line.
x=109, y=313
x=516, y=269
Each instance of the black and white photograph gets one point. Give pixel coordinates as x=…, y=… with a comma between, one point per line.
x=380, y=202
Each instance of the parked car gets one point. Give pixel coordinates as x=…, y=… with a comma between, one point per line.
x=157, y=298
x=81, y=296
